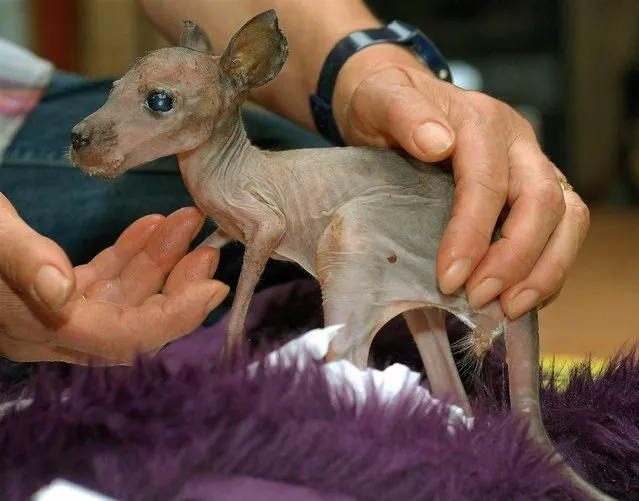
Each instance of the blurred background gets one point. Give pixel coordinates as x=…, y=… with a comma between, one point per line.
x=570, y=66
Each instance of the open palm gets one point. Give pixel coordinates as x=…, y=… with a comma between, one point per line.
x=132, y=298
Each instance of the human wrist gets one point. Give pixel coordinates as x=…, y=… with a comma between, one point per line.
x=319, y=43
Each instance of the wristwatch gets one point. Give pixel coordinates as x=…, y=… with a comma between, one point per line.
x=397, y=32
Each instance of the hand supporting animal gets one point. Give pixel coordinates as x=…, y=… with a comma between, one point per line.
x=365, y=222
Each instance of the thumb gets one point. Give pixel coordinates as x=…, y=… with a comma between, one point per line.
x=390, y=105
x=419, y=126
x=31, y=263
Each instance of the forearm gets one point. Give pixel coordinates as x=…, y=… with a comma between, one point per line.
x=312, y=28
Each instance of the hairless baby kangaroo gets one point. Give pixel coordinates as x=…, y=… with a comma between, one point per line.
x=365, y=222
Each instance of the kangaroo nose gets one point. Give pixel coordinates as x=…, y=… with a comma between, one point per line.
x=79, y=139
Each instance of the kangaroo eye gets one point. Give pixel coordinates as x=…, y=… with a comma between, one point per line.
x=159, y=101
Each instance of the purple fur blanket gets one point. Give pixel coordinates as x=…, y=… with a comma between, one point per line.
x=182, y=428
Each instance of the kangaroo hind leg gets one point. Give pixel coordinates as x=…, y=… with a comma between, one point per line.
x=428, y=328
x=522, y=352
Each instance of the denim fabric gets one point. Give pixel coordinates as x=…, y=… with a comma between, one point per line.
x=84, y=215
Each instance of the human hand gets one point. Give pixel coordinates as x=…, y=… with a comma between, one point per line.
x=132, y=298
x=497, y=163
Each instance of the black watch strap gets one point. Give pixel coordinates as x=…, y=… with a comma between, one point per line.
x=397, y=32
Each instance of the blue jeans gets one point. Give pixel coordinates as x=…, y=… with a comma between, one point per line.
x=85, y=215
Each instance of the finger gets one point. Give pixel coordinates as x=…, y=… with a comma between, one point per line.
x=111, y=261
x=31, y=263
x=194, y=267
x=146, y=272
x=480, y=167
x=549, y=273
x=537, y=206
x=403, y=115
x=106, y=330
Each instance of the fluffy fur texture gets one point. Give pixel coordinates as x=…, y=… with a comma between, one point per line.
x=181, y=428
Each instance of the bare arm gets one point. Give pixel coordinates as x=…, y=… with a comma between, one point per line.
x=312, y=28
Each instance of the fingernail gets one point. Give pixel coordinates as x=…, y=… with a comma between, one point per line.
x=218, y=296
x=455, y=275
x=484, y=292
x=432, y=138
x=523, y=302
x=51, y=286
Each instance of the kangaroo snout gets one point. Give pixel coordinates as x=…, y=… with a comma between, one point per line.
x=80, y=136
x=95, y=148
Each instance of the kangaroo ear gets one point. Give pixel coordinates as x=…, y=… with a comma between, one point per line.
x=194, y=37
x=256, y=53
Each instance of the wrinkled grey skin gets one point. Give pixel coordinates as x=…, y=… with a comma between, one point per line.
x=365, y=222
